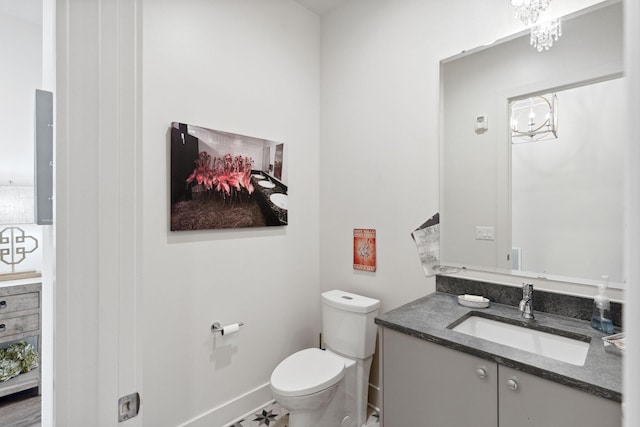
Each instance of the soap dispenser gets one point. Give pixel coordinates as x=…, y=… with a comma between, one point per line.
x=601, y=317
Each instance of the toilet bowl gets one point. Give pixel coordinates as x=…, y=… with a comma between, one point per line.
x=328, y=388
x=312, y=384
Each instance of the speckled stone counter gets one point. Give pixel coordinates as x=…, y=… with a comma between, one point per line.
x=428, y=318
x=279, y=214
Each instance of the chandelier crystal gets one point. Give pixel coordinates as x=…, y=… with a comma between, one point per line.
x=543, y=35
x=528, y=11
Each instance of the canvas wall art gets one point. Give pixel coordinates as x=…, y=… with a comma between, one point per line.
x=225, y=180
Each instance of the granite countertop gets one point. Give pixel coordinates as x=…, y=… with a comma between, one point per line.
x=428, y=317
x=280, y=213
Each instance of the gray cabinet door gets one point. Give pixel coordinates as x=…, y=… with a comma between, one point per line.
x=428, y=385
x=537, y=402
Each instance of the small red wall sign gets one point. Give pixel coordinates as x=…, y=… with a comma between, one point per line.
x=364, y=249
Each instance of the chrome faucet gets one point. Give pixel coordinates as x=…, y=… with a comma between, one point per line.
x=526, y=303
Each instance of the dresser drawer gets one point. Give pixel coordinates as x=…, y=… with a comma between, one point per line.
x=18, y=325
x=19, y=302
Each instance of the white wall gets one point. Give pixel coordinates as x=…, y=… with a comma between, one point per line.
x=20, y=76
x=248, y=67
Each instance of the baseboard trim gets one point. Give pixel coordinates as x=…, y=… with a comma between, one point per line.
x=233, y=409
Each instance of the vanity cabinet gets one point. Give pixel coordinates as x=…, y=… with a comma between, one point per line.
x=20, y=321
x=527, y=400
x=426, y=384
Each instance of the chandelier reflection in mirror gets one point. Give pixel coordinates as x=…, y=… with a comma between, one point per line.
x=534, y=119
x=528, y=11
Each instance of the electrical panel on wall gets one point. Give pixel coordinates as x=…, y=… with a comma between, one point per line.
x=44, y=158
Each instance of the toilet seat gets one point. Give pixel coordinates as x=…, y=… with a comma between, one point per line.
x=306, y=372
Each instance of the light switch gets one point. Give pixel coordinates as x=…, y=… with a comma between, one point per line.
x=484, y=233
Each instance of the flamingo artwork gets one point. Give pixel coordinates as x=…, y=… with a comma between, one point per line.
x=221, y=180
x=227, y=175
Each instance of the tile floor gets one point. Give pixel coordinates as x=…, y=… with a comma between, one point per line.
x=274, y=415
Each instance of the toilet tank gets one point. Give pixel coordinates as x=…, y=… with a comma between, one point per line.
x=348, y=325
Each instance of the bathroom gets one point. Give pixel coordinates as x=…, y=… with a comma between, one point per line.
x=353, y=93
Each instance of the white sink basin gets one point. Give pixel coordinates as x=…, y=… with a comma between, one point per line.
x=279, y=199
x=557, y=347
x=266, y=184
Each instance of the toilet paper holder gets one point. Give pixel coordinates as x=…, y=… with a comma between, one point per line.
x=217, y=327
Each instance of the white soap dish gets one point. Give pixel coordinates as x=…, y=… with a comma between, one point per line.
x=473, y=301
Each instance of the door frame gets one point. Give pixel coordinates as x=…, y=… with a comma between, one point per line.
x=97, y=353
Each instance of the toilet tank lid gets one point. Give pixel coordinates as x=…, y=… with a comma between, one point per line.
x=350, y=302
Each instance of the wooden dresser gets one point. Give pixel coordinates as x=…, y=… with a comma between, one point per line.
x=20, y=320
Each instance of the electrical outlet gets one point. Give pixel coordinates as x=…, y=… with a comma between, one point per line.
x=484, y=233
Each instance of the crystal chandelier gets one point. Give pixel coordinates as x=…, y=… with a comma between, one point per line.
x=543, y=35
x=528, y=11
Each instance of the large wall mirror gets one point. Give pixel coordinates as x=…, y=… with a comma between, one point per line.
x=552, y=206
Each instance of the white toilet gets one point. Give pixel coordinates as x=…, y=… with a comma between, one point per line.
x=328, y=388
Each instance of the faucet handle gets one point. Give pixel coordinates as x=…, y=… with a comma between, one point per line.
x=526, y=304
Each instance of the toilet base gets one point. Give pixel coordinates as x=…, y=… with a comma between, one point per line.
x=333, y=407
x=322, y=409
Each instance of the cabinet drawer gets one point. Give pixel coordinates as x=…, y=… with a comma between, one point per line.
x=19, y=302
x=17, y=325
